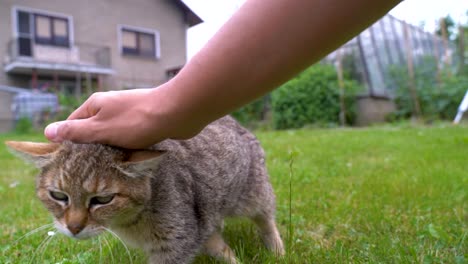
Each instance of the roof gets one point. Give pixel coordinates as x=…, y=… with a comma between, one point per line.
x=190, y=17
x=13, y=89
x=22, y=92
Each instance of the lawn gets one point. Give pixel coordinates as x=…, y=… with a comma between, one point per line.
x=389, y=194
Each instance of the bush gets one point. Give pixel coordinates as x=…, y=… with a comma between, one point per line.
x=252, y=113
x=312, y=97
x=450, y=95
x=68, y=104
x=24, y=125
x=437, y=101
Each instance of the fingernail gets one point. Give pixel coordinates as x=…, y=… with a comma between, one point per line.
x=51, y=131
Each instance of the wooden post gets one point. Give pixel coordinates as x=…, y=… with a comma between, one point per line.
x=34, y=79
x=448, y=59
x=56, y=88
x=78, y=84
x=89, y=88
x=436, y=57
x=339, y=72
x=411, y=77
x=99, y=83
x=461, y=48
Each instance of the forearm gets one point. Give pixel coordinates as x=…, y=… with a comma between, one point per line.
x=263, y=45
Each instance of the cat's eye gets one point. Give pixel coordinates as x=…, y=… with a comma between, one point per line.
x=59, y=196
x=96, y=200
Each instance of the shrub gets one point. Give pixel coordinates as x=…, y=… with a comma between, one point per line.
x=312, y=97
x=68, y=104
x=253, y=112
x=23, y=125
x=449, y=96
x=437, y=101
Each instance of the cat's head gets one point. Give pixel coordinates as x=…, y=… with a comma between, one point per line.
x=89, y=186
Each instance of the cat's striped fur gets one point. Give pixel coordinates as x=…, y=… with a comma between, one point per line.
x=170, y=200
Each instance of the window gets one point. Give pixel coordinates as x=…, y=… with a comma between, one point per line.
x=24, y=34
x=143, y=43
x=41, y=27
x=51, y=30
x=171, y=73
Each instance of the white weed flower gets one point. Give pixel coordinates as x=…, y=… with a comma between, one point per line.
x=14, y=184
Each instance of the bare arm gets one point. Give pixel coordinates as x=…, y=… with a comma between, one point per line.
x=263, y=45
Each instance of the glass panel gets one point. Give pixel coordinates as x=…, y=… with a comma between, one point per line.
x=24, y=46
x=129, y=39
x=23, y=22
x=43, y=27
x=60, y=27
x=60, y=31
x=147, y=44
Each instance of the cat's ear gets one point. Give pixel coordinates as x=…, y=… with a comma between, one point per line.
x=138, y=161
x=40, y=154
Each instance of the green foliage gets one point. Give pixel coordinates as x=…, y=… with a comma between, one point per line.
x=253, y=112
x=437, y=101
x=312, y=98
x=449, y=96
x=450, y=27
x=68, y=104
x=24, y=125
x=463, y=50
x=350, y=64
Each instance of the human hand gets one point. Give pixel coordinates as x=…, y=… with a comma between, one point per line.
x=130, y=119
x=243, y=61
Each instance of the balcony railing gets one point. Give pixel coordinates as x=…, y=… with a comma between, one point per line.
x=23, y=49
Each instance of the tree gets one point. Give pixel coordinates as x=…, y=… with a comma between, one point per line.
x=449, y=25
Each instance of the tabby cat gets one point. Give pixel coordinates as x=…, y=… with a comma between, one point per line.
x=169, y=200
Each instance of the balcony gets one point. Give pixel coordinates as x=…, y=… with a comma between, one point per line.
x=24, y=56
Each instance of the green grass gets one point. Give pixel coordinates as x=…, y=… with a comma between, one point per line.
x=391, y=194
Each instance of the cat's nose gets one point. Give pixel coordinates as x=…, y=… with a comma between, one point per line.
x=75, y=228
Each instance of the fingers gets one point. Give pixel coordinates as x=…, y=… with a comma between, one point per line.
x=88, y=109
x=79, y=126
x=80, y=131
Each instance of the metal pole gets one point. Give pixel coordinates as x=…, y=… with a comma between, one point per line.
x=364, y=66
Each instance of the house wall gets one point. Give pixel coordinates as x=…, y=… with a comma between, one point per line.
x=371, y=110
x=96, y=22
x=6, y=115
x=16, y=80
x=5, y=37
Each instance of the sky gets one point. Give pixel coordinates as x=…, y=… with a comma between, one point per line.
x=417, y=12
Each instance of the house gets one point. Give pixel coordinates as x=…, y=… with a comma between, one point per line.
x=75, y=46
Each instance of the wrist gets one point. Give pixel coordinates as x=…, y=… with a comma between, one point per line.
x=171, y=109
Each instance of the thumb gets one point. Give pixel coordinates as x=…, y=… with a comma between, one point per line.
x=80, y=130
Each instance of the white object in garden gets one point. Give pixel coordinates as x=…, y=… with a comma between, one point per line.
x=461, y=109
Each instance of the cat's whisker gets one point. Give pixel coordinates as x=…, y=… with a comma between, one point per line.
x=32, y=232
x=125, y=246
x=39, y=248
x=79, y=260
x=110, y=249
x=44, y=248
x=100, y=249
